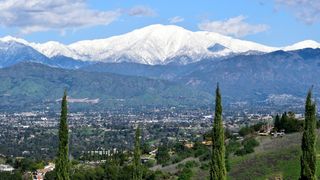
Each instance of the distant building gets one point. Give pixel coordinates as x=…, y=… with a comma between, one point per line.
x=40, y=173
x=265, y=130
x=5, y=167
x=207, y=143
x=189, y=145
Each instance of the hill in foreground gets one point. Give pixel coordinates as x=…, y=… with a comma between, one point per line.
x=275, y=157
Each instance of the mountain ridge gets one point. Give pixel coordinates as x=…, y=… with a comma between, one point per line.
x=37, y=86
x=156, y=44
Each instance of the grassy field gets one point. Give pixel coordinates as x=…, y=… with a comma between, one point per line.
x=275, y=157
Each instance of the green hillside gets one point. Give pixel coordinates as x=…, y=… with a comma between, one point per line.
x=275, y=157
x=31, y=85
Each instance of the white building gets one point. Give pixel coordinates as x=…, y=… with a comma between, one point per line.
x=5, y=167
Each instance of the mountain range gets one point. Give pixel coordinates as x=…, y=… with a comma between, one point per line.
x=243, y=78
x=153, y=45
x=34, y=86
x=156, y=66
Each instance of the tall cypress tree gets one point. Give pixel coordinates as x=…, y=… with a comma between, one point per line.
x=277, y=122
x=62, y=163
x=137, y=173
x=218, y=169
x=284, y=121
x=308, y=157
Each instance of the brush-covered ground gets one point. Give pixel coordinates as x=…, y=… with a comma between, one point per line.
x=274, y=158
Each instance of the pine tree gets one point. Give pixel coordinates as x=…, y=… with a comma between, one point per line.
x=218, y=169
x=283, y=121
x=277, y=122
x=112, y=168
x=62, y=163
x=137, y=174
x=308, y=157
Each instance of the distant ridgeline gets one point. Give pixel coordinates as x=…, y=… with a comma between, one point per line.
x=275, y=80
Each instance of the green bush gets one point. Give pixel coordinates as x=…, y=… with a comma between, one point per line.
x=204, y=166
x=248, y=146
x=191, y=164
x=185, y=174
x=244, y=131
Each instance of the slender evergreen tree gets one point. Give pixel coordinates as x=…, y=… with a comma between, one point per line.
x=284, y=121
x=218, y=169
x=277, y=122
x=308, y=157
x=62, y=163
x=137, y=172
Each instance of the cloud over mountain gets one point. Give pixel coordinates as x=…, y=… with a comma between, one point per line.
x=235, y=26
x=37, y=15
x=176, y=19
x=140, y=11
x=307, y=11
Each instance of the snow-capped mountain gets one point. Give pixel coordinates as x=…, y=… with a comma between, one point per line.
x=156, y=44
x=13, y=52
x=302, y=45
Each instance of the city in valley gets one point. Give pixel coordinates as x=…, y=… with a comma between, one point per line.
x=159, y=90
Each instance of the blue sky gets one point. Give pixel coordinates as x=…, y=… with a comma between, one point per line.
x=270, y=22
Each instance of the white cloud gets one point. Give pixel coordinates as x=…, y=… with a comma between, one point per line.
x=60, y=15
x=307, y=11
x=176, y=19
x=235, y=26
x=140, y=11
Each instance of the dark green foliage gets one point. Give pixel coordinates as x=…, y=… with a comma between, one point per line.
x=248, y=146
x=191, y=164
x=126, y=172
x=162, y=155
x=27, y=164
x=218, y=169
x=244, y=131
x=181, y=152
x=146, y=148
x=10, y=176
x=257, y=127
x=204, y=166
x=308, y=157
x=112, y=168
x=51, y=175
x=115, y=172
x=199, y=149
x=277, y=124
x=185, y=174
x=137, y=174
x=232, y=146
x=186, y=170
x=283, y=121
x=96, y=173
x=248, y=130
x=62, y=162
x=288, y=123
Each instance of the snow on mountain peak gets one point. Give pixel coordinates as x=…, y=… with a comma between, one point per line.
x=53, y=48
x=302, y=45
x=13, y=39
x=155, y=44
